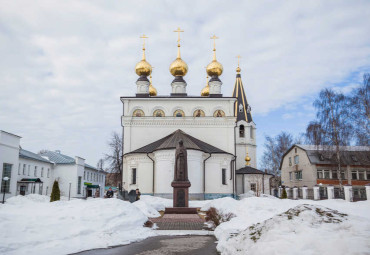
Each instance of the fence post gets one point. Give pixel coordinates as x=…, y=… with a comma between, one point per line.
x=295, y=193
x=316, y=192
x=367, y=191
x=304, y=192
x=348, y=196
x=279, y=192
x=330, y=190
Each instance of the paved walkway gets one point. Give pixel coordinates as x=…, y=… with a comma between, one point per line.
x=163, y=245
x=179, y=222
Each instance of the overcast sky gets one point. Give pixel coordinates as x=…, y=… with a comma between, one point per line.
x=64, y=64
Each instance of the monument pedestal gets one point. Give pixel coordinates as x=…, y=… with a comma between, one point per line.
x=180, y=193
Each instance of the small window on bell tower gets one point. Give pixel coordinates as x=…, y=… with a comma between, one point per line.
x=241, y=131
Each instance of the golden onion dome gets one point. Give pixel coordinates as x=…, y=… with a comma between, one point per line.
x=214, y=68
x=205, y=91
x=178, y=67
x=247, y=159
x=143, y=67
x=152, y=90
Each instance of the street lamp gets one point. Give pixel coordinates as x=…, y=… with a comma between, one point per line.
x=5, y=179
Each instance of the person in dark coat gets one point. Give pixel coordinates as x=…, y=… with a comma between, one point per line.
x=137, y=194
x=110, y=193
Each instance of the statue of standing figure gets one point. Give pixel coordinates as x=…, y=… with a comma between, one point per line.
x=181, y=163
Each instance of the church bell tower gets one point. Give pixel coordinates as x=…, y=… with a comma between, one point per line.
x=245, y=133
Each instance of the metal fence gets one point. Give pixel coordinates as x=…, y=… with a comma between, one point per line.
x=323, y=193
x=359, y=194
x=309, y=193
x=338, y=193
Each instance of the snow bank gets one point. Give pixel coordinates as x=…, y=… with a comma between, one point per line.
x=147, y=209
x=305, y=233
x=35, y=226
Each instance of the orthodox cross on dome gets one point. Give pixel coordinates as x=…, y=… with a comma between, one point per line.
x=144, y=37
x=214, y=46
x=238, y=68
x=178, y=30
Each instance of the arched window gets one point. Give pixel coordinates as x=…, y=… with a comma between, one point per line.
x=241, y=131
x=138, y=113
x=179, y=113
x=158, y=113
x=199, y=113
x=219, y=113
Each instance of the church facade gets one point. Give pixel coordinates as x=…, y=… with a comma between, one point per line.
x=217, y=130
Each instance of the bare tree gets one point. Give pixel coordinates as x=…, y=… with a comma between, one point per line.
x=275, y=147
x=359, y=104
x=100, y=164
x=332, y=128
x=114, y=158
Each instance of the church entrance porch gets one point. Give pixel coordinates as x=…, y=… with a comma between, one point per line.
x=30, y=186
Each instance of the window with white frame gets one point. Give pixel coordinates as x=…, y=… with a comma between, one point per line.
x=35, y=172
x=290, y=161
x=326, y=174
x=84, y=175
x=48, y=172
x=334, y=174
x=298, y=175
x=42, y=172
x=368, y=174
x=79, y=185
x=319, y=174
x=354, y=175
x=296, y=159
x=24, y=169
x=361, y=175
x=19, y=169
x=29, y=170
x=290, y=176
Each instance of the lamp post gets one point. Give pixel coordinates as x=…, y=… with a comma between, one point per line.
x=5, y=179
x=69, y=193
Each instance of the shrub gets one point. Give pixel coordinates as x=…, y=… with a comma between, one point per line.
x=55, y=193
x=216, y=218
x=284, y=194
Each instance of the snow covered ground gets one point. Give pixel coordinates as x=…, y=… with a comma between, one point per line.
x=265, y=225
x=33, y=225
x=281, y=226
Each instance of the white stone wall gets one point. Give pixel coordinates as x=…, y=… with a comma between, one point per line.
x=248, y=142
x=140, y=131
x=213, y=175
x=31, y=164
x=9, y=153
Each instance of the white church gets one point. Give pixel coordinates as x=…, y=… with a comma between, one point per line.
x=217, y=130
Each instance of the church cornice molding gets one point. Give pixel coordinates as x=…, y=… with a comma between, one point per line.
x=176, y=121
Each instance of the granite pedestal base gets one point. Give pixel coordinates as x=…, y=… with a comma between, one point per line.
x=180, y=193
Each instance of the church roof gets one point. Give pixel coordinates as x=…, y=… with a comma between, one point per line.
x=172, y=140
x=250, y=170
x=242, y=113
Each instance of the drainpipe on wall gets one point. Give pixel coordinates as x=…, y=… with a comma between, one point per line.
x=204, y=176
x=153, y=171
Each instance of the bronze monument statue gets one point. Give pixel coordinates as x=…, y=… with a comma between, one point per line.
x=181, y=163
x=181, y=182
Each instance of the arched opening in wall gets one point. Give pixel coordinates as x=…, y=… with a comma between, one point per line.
x=241, y=131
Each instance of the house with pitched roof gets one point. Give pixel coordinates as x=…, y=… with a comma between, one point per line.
x=310, y=165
